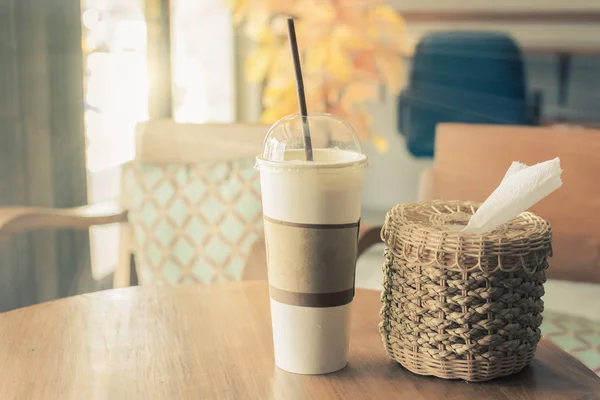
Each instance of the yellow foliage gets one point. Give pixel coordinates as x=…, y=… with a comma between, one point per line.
x=353, y=38
x=258, y=63
x=277, y=111
x=315, y=58
x=349, y=49
x=273, y=95
x=239, y=8
x=380, y=143
x=338, y=62
x=386, y=15
x=358, y=93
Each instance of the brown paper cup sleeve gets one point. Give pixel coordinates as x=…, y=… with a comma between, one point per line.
x=311, y=265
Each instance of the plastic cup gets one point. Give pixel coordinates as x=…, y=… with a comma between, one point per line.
x=311, y=218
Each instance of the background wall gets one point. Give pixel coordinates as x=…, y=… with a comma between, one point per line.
x=527, y=5
x=393, y=177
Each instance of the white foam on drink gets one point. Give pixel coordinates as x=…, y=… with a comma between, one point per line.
x=327, y=191
x=323, y=156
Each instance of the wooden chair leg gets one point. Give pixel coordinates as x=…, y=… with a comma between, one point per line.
x=133, y=277
x=256, y=265
x=122, y=277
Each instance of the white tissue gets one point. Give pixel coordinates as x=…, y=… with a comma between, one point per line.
x=521, y=188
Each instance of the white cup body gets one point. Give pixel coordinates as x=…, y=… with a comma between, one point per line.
x=312, y=213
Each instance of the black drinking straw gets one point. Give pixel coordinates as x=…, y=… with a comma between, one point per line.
x=300, y=89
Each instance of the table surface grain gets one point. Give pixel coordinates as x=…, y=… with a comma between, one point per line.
x=197, y=342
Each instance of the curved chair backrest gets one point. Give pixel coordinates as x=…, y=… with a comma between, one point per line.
x=471, y=160
x=194, y=203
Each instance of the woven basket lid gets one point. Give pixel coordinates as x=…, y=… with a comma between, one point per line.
x=428, y=233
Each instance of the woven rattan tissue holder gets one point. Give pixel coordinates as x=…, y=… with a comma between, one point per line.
x=462, y=306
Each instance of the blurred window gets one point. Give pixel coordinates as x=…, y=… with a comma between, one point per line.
x=116, y=87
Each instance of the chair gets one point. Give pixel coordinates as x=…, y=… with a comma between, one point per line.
x=470, y=161
x=190, y=210
x=463, y=76
x=194, y=203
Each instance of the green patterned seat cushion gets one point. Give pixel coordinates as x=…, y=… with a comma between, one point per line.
x=192, y=223
x=577, y=336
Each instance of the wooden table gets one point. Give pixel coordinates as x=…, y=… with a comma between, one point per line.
x=193, y=342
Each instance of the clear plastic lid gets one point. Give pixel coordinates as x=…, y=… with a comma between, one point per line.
x=334, y=142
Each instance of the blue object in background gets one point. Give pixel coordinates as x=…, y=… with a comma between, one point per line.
x=466, y=77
